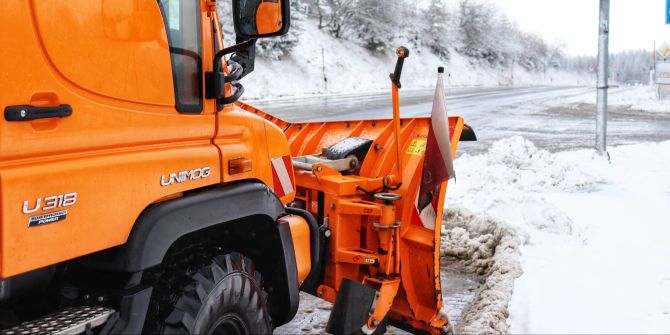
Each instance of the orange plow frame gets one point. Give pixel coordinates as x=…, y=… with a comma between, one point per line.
x=371, y=241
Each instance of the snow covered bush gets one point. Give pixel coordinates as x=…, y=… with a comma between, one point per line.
x=436, y=32
x=475, y=20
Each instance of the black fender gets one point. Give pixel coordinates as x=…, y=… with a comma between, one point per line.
x=161, y=224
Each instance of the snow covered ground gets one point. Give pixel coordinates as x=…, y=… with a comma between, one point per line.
x=595, y=254
x=540, y=242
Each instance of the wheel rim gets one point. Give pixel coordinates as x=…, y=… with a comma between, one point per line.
x=229, y=324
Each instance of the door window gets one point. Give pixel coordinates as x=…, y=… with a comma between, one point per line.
x=182, y=23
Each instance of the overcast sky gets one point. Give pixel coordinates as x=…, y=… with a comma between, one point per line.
x=635, y=24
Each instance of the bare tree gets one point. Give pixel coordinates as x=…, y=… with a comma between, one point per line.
x=320, y=12
x=342, y=11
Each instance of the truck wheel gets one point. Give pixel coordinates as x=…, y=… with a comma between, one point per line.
x=448, y=329
x=224, y=297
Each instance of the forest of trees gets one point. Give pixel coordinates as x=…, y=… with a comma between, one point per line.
x=476, y=29
x=627, y=67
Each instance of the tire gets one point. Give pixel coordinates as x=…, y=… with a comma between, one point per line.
x=448, y=329
x=224, y=297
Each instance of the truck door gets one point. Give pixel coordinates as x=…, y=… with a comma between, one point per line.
x=104, y=114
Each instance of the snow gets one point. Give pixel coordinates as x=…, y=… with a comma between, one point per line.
x=350, y=68
x=480, y=261
x=642, y=98
x=595, y=235
x=489, y=248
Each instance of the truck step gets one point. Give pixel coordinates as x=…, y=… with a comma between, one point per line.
x=70, y=321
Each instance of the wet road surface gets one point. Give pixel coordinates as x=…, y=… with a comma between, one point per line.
x=536, y=113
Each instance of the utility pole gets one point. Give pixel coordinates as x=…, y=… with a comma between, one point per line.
x=603, y=74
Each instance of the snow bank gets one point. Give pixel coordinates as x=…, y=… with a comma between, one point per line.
x=594, y=234
x=350, y=68
x=512, y=175
x=490, y=248
x=642, y=98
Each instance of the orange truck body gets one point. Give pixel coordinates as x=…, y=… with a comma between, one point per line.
x=133, y=141
x=120, y=140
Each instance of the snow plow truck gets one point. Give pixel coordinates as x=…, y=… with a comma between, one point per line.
x=140, y=195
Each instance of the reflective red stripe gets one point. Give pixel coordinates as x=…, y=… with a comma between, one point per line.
x=282, y=175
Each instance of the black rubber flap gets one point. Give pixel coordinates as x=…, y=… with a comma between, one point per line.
x=468, y=134
x=351, y=309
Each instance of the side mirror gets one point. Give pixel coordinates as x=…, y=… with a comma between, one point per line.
x=261, y=18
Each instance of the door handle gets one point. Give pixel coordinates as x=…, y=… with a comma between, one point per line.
x=27, y=112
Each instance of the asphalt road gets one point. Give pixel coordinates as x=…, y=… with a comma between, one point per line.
x=533, y=112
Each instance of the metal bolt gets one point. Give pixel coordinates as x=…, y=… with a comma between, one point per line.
x=23, y=113
x=332, y=205
x=374, y=323
x=101, y=299
x=321, y=293
x=86, y=297
x=327, y=233
x=377, y=146
x=318, y=169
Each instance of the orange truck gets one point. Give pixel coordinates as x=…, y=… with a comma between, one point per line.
x=138, y=194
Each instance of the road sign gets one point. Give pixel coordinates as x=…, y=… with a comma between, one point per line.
x=663, y=73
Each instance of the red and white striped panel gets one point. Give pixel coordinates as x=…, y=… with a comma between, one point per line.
x=282, y=175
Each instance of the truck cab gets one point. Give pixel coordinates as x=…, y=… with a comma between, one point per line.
x=115, y=148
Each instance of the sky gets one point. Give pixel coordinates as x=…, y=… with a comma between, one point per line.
x=634, y=24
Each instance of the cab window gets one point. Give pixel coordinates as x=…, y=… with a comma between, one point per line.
x=182, y=23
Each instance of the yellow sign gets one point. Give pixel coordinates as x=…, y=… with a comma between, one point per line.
x=417, y=147
x=663, y=51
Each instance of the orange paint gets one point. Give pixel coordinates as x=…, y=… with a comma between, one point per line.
x=364, y=242
x=301, y=243
x=110, y=60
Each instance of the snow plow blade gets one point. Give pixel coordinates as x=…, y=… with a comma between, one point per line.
x=371, y=227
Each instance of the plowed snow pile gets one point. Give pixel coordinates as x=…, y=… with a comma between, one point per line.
x=490, y=249
x=594, y=235
x=480, y=262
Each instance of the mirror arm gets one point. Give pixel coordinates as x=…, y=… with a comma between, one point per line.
x=240, y=64
x=235, y=48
